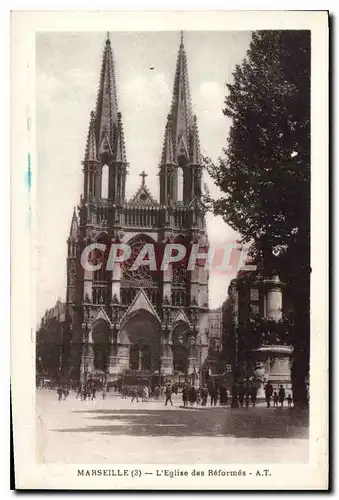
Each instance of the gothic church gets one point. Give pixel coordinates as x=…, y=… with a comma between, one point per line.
x=144, y=321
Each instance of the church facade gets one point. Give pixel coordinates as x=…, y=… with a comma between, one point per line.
x=142, y=320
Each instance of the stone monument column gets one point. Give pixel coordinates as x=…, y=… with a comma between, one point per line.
x=274, y=298
x=276, y=357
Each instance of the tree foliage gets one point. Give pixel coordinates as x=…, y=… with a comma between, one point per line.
x=264, y=173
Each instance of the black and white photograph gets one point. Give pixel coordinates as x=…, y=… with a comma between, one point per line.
x=172, y=260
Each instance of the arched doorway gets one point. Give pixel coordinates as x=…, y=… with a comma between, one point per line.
x=101, y=345
x=180, y=348
x=143, y=332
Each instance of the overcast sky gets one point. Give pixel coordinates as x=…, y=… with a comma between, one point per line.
x=67, y=75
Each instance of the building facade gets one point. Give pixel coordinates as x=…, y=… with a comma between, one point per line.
x=49, y=342
x=215, y=341
x=143, y=319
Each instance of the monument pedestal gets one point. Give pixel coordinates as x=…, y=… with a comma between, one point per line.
x=273, y=364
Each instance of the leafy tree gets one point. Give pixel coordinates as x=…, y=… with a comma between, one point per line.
x=265, y=171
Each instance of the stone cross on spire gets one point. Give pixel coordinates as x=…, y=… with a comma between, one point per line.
x=143, y=175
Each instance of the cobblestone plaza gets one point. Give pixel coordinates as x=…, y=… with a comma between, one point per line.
x=115, y=430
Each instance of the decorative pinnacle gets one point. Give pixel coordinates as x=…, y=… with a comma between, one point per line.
x=108, y=40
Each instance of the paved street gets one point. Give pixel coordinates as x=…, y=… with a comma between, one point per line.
x=118, y=431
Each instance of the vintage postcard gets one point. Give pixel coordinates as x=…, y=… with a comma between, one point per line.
x=169, y=250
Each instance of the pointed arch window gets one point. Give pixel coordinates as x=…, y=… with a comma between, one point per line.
x=180, y=187
x=104, y=181
x=102, y=275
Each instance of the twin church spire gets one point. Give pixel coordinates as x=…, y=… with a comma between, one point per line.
x=181, y=147
x=106, y=144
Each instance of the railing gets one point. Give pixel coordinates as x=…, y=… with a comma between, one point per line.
x=140, y=217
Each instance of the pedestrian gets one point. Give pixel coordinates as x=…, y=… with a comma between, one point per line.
x=93, y=392
x=66, y=392
x=225, y=397
x=87, y=391
x=222, y=395
x=204, y=394
x=157, y=392
x=268, y=393
x=134, y=394
x=214, y=394
x=281, y=395
x=247, y=398
x=59, y=392
x=145, y=394
x=185, y=395
x=254, y=392
x=241, y=394
x=168, y=395
x=78, y=391
x=275, y=399
x=103, y=392
x=192, y=395
x=289, y=400
x=198, y=398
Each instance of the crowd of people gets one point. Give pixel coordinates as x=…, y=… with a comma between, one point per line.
x=84, y=390
x=205, y=394
x=278, y=397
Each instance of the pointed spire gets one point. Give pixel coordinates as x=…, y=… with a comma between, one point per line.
x=120, y=149
x=181, y=110
x=106, y=115
x=73, y=232
x=91, y=147
x=167, y=157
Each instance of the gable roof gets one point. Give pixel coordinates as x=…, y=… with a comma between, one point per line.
x=181, y=316
x=141, y=301
x=101, y=315
x=143, y=197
